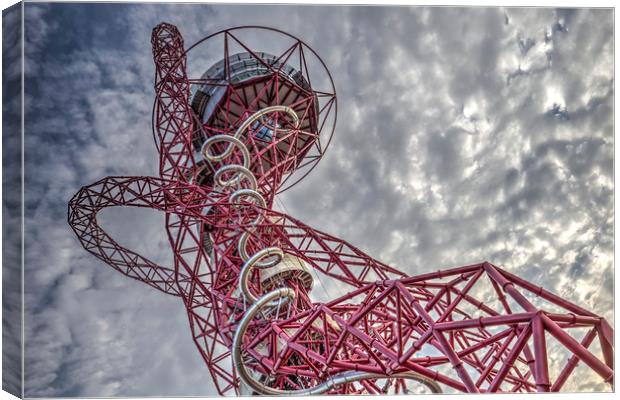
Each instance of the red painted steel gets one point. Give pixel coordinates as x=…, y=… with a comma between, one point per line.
x=475, y=328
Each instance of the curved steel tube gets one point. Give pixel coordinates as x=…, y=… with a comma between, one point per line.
x=249, y=193
x=252, y=263
x=258, y=115
x=243, y=241
x=346, y=377
x=233, y=140
x=241, y=172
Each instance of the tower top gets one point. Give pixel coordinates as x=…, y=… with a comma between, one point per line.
x=236, y=81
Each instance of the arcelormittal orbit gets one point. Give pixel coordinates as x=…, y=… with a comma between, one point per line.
x=250, y=127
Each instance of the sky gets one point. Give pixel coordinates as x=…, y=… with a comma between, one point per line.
x=463, y=135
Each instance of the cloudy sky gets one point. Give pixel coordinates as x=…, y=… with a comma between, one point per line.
x=463, y=135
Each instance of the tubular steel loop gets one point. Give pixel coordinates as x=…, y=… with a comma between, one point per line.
x=242, y=246
x=275, y=255
x=241, y=172
x=235, y=197
x=329, y=383
x=243, y=251
x=264, y=111
x=252, y=263
x=233, y=140
x=259, y=115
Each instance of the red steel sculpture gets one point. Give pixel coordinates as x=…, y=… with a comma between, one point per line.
x=228, y=142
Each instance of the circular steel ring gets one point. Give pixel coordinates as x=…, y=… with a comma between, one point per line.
x=234, y=198
x=219, y=157
x=241, y=172
x=252, y=263
x=255, y=116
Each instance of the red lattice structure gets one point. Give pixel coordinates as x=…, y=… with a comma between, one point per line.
x=228, y=141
